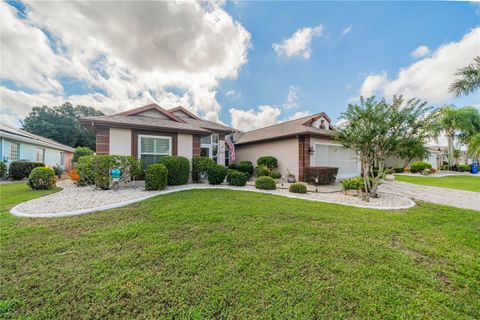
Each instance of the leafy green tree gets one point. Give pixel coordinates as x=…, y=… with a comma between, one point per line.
x=474, y=146
x=60, y=123
x=81, y=152
x=412, y=148
x=376, y=128
x=468, y=78
x=462, y=123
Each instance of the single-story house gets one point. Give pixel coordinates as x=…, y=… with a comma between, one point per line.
x=299, y=143
x=151, y=132
x=20, y=145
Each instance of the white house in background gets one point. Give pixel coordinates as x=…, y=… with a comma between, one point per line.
x=20, y=145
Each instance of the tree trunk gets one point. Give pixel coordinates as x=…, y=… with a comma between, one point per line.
x=450, y=149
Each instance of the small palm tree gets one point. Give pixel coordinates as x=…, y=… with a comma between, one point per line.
x=448, y=122
x=474, y=146
x=468, y=79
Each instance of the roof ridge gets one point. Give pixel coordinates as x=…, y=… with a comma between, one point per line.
x=283, y=122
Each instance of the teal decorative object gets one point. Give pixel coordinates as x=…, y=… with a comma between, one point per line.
x=116, y=173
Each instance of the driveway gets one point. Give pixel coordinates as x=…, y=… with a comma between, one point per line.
x=449, y=197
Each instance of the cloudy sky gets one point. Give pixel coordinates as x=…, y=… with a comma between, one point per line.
x=246, y=64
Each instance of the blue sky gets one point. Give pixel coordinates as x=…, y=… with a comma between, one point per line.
x=220, y=59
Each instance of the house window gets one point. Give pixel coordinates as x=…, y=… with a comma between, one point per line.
x=40, y=155
x=209, y=146
x=62, y=159
x=152, y=148
x=322, y=124
x=14, y=151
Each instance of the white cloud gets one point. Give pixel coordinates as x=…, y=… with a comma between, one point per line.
x=130, y=52
x=292, y=97
x=431, y=77
x=233, y=94
x=421, y=51
x=298, y=45
x=251, y=119
x=299, y=114
x=347, y=30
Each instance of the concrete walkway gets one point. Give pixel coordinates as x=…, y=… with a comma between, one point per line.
x=449, y=197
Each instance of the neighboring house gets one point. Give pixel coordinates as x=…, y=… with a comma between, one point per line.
x=20, y=145
x=297, y=144
x=152, y=132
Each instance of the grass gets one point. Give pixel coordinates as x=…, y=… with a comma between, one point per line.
x=229, y=254
x=469, y=183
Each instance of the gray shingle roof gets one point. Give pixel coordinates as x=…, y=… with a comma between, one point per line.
x=34, y=138
x=282, y=130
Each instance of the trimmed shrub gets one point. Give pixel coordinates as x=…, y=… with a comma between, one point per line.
x=243, y=166
x=419, y=166
x=200, y=166
x=320, y=175
x=81, y=152
x=21, y=169
x=262, y=171
x=216, y=174
x=178, y=169
x=3, y=169
x=352, y=183
x=298, y=188
x=444, y=167
x=236, y=178
x=85, y=171
x=275, y=175
x=156, y=177
x=268, y=161
x=41, y=178
x=265, y=183
x=463, y=167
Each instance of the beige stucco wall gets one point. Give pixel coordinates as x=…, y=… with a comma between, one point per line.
x=286, y=152
x=120, y=142
x=185, y=145
x=221, y=151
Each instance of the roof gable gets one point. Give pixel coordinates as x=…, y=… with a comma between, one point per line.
x=314, y=121
x=183, y=113
x=149, y=111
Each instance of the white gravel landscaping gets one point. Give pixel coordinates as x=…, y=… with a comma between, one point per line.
x=73, y=200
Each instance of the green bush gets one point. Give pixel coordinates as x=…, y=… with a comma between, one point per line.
x=236, y=178
x=81, y=152
x=262, y=171
x=216, y=174
x=320, y=175
x=58, y=170
x=3, y=169
x=200, y=166
x=419, y=166
x=444, y=167
x=21, y=169
x=298, y=188
x=96, y=169
x=178, y=169
x=265, y=183
x=156, y=177
x=85, y=170
x=243, y=166
x=352, y=183
x=268, y=161
x=41, y=178
x=463, y=168
x=275, y=175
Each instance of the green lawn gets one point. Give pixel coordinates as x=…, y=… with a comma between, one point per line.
x=470, y=183
x=229, y=254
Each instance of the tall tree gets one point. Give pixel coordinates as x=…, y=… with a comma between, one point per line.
x=376, y=128
x=468, y=78
x=60, y=123
x=453, y=122
x=410, y=149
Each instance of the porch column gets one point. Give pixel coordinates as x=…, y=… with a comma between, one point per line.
x=303, y=155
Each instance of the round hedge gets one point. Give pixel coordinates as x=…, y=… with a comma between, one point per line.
x=216, y=174
x=156, y=177
x=268, y=161
x=275, y=175
x=261, y=171
x=178, y=169
x=419, y=166
x=41, y=178
x=298, y=188
x=22, y=169
x=200, y=166
x=265, y=183
x=236, y=178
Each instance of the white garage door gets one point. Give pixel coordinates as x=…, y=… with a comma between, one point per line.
x=335, y=156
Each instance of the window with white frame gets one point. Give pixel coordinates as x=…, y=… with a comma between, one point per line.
x=152, y=148
x=209, y=146
x=40, y=155
x=62, y=159
x=14, y=151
